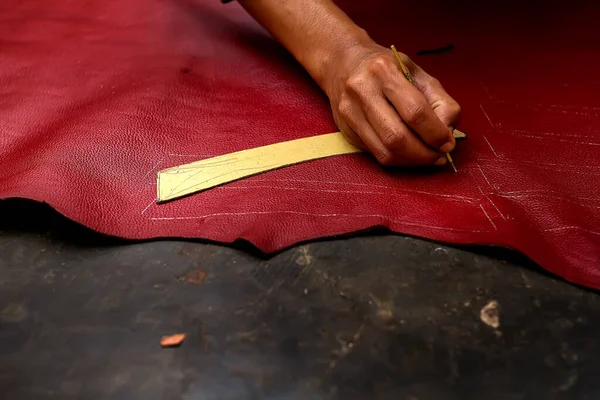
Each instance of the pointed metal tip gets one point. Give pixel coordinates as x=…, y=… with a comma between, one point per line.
x=451, y=161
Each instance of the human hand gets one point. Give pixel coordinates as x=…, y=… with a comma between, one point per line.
x=379, y=110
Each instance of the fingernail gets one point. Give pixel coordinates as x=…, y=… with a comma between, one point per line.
x=447, y=147
x=441, y=161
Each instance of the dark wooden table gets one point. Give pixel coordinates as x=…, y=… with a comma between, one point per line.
x=370, y=317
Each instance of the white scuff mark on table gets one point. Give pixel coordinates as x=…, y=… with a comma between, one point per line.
x=490, y=314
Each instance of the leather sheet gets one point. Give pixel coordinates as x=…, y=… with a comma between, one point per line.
x=97, y=95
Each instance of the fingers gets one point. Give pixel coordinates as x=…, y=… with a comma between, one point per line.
x=349, y=133
x=379, y=110
x=357, y=130
x=444, y=106
x=404, y=147
x=417, y=113
x=379, y=129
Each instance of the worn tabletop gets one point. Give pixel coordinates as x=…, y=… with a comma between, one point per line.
x=374, y=316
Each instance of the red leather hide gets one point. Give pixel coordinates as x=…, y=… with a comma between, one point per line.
x=97, y=95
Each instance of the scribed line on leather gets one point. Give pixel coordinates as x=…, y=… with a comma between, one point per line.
x=182, y=180
x=322, y=215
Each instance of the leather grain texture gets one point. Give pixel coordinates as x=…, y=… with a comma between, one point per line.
x=98, y=95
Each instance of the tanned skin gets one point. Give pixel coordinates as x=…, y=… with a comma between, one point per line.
x=373, y=104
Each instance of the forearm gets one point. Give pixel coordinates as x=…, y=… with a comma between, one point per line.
x=315, y=32
x=373, y=104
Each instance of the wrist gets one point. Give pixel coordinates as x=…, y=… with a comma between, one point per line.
x=323, y=62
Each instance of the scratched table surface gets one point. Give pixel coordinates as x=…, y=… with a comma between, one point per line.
x=370, y=317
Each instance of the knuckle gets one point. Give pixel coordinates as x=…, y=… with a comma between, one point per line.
x=393, y=139
x=378, y=65
x=355, y=83
x=344, y=109
x=415, y=113
x=434, y=82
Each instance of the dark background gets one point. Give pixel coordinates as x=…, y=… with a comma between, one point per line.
x=376, y=316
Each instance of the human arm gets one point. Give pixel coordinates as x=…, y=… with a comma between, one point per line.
x=372, y=102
